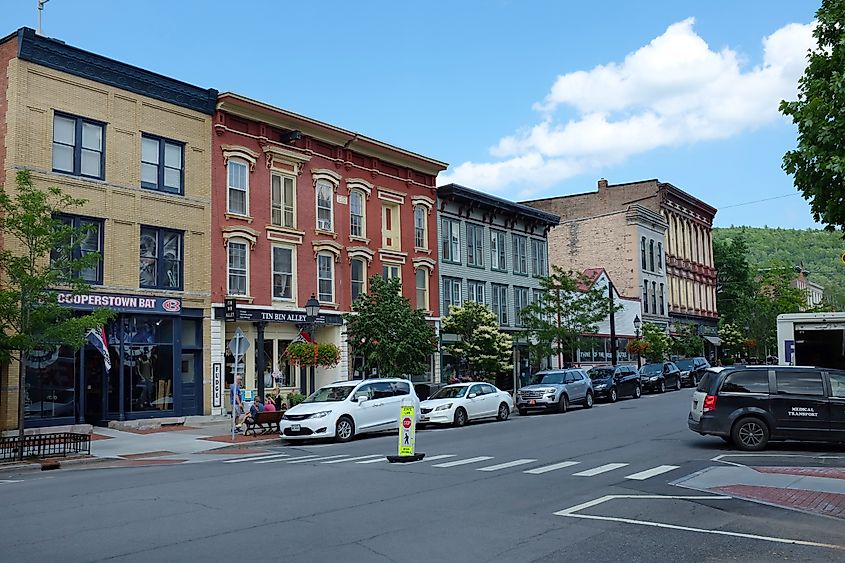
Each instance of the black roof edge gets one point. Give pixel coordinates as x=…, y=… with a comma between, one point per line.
x=55, y=54
x=461, y=192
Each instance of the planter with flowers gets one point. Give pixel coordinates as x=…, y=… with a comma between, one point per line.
x=309, y=354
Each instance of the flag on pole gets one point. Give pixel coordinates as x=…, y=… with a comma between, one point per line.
x=97, y=338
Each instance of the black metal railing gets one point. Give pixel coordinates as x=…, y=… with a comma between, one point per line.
x=45, y=445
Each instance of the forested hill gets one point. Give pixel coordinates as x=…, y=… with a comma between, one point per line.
x=818, y=250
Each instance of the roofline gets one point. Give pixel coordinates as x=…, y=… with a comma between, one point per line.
x=459, y=191
x=225, y=101
x=690, y=198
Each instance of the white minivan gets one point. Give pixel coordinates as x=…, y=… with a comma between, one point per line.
x=345, y=409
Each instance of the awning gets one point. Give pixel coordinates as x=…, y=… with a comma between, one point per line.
x=714, y=340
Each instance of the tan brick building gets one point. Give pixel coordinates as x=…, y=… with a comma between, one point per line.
x=137, y=146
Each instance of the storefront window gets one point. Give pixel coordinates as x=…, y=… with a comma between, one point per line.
x=147, y=364
x=50, y=384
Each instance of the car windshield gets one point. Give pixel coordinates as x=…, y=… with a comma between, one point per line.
x=555, y=378
x=685, y=364
x=450, y=392
x=330, y=394
x=600, y=373
x=651, y=369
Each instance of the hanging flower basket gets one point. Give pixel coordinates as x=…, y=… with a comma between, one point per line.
x=637, y=347
x=328, y=355
x=301, y=354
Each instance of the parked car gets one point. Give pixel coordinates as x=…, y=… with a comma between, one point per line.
x=611, y=382
x=692, y=369
x=555, y=389
x=660, y=376
x=459, y=403
x=751, y=405
x=346, y=409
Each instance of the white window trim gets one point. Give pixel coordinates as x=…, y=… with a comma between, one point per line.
x=427, y=272
x=366, y=262
x=282, y=176
x=333, y=275
x=332, y=187
x=364, y=196
x=425, y=211
x=293, y=270
x=247, y=246
x=396, y=227
x=242, y=162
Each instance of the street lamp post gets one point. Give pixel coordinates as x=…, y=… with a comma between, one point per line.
x=637, y=324
x=312, y=310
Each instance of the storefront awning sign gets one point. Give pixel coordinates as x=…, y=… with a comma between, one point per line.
x=120, y=302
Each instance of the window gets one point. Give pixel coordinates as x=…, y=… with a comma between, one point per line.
x=797, y=382
x=645, y=297
x=659, y=256
x=357, y=227
x=451, y=294
x=282, y=273
x=475, y=291
x=238, y=187
x=498, y=256
x=90, y=241
x=391, y=235
x=642, y=253
x=520, y=255
x=325, y=277
x=746, y=382
x=391, y=271
x=837, y=384
x=282, y=201
x=359, y=269
x=451, y=241
x=238, y=268
x=324, y=205
x=538, y=258
x=420, y=234
x=660, y=297
x=520, y=301
x=78, y=146
x=500, y=303
x=475, y=245
x=422, y=289
x=654, y=297
x=161, y=258
x=162, y=164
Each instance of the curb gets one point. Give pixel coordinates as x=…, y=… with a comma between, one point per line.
x=49, y=464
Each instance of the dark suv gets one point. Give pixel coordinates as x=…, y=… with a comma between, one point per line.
x=692, y=369
x=750, y=405
x=609, y=382
x=659, y=377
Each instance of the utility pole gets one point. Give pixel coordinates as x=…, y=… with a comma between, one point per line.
x=40, y=11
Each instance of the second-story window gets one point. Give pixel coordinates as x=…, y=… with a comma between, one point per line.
x=238, y=266
x=651, y=254
x=238, y=187
x=475, y=245
x=391, y=234
x=325, y=211
x=498, y=252
x=162, y=164
x=645, y=296
x=282, y=272
x=420, y=230
x=660, y=298
x=520, y=255
x=659, y=256
x=422, y=288
x=161, y=258
x=89, y=241
x=654, y=297
x=643, y=254
x=357, y=226
x=325, y=277
x=359, y=276
x=451, y=294
x=282, y=201
x=451, y=241
x=520, y=301
x=78, y=146
x=475, y=291
x=500, y=303
x=538, y=258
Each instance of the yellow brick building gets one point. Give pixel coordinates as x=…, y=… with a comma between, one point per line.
x=137, y=146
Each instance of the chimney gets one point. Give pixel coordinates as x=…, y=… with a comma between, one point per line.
x=602, y=184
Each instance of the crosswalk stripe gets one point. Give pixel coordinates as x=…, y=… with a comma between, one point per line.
x=436, y=457
x=352, y=458
x=378, y=459
x=600, y=469
x=255, y=458
x=318, y=458
x=283, y=459
x=643, y=475
x=513, y=463
x=552, y=467
x=9, y=481
x=463, y=461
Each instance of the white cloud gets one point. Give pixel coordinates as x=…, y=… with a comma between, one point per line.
x=673, y=91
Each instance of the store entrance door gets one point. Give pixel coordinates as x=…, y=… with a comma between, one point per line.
x=93, y=373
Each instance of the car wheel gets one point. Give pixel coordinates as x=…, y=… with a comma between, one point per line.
x=588, y=400
x=638, y=392
x=661, y=386
x=612, y=396
x=563, y=404
x=503, y=413
x=345, y=429
x=678, y=384
x=693, y=380
x=750, y=434
x=522, y=412
x=460, y=417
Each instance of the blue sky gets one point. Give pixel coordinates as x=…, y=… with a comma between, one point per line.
x=523, y=98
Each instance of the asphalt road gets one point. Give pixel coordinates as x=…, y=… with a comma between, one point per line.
x=501, y=506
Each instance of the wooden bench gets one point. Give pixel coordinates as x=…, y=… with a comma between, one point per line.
x=266, y=422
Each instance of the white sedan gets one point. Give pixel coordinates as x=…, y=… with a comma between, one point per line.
x=456, y=404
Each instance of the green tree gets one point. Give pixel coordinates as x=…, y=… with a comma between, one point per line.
x=483, y=347
x=658, y=343
x=732, y=339
x=37, y=257
x=570, y=306
x=392, y=337
x=735, y=284
x=687, y=343
x=818, y=163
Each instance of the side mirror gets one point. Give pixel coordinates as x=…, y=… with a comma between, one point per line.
x=361, y=397
x=472, y=395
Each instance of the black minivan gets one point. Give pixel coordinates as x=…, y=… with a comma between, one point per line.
x=750, y=405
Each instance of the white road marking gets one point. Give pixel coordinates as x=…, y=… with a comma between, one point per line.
x=599, y=470
x=648, y=473
x=464, y=461
x=513, y=463
x=436, y=457
x=283, y=459
x=353, y=458
x=571, y=513
x=318, y=458
x=552, y=467
x=378, y=459
x=9, y=481
x=255, y=458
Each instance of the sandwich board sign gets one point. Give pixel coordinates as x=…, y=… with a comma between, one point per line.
x=407, y=435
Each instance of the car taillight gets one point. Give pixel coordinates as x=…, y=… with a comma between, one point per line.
x=709, y=403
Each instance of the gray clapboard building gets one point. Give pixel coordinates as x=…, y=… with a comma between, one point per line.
x=491, y=251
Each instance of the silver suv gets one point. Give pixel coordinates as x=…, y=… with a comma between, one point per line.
x=555, y=389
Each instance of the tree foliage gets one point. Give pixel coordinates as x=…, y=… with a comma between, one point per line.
x=732, y=339
x=735, y=278
x=570, y=306
x=483, y=348
x=658, y=343
x=818, y=163
x=393, y=338
x=686, y=343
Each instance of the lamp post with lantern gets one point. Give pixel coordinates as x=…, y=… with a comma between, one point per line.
x=312, y=311
x=637, y=325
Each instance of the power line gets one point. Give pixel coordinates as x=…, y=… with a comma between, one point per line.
x=758, y=200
